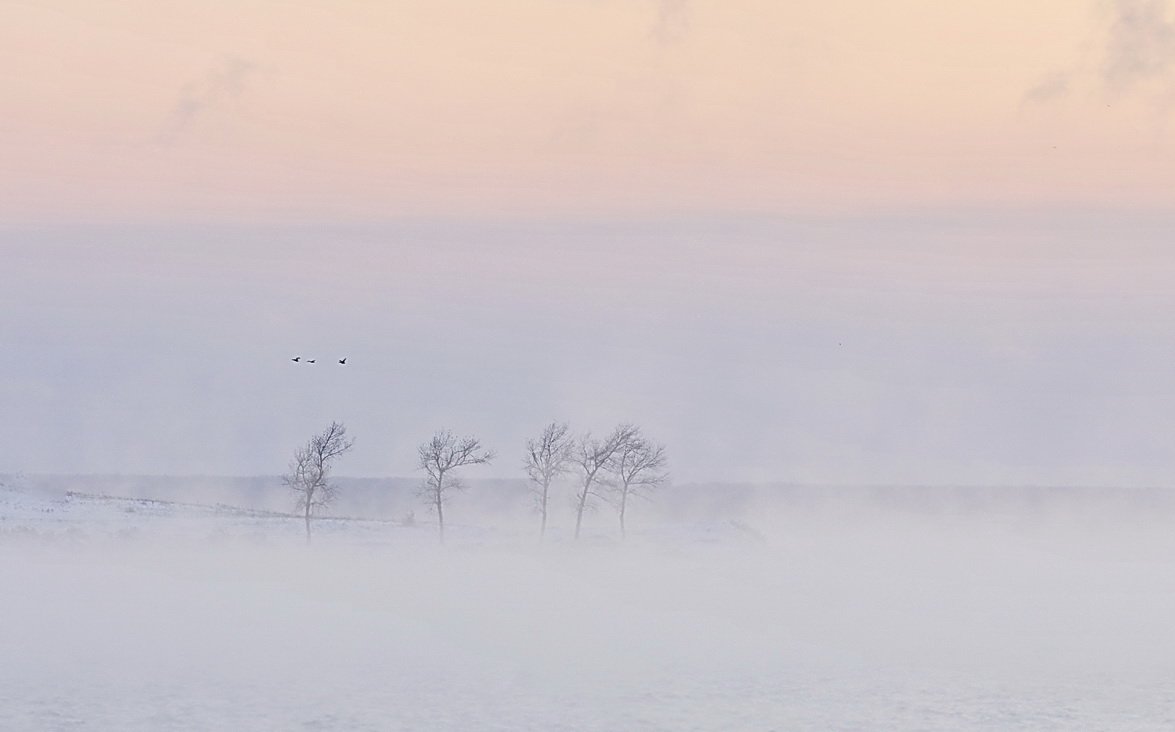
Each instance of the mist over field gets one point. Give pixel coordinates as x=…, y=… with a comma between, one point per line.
x=747, y=607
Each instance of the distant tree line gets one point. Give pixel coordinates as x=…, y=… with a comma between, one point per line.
x=617, y=468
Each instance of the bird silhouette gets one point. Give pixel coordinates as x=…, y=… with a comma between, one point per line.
x=296, y=359
x=343, y=361
x=310, y=360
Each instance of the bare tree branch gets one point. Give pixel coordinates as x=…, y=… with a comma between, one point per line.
x=309, y=471
x=547, y=458
x=591, y=458
x=638, y=468
x=440, y=455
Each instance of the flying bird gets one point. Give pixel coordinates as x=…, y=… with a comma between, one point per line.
x=296, y=359
x=310, y=360
x=343, y=361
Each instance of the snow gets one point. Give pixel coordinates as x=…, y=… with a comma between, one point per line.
x=122, y=614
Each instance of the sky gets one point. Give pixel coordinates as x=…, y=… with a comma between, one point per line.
x=834, y=241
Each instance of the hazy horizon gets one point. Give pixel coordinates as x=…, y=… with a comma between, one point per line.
x=915, y=349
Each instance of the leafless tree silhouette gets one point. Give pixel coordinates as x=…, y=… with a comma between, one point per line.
x=438, y=458
x=638, y=468
x=309, y=471
x=547, y=458
x=591, y=458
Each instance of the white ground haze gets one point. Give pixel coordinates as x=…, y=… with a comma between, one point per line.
x=816, y=614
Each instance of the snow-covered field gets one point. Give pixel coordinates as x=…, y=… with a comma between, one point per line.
x=146, y=615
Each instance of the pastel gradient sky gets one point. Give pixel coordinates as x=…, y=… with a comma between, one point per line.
x=834, y=241
x=257, y=109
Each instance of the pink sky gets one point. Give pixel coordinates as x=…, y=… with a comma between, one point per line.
x=277, y=110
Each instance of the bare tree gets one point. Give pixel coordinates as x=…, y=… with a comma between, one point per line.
x=591, y=458
x=309, y=472
x=638, y=467
x=547, y=457
x=438, y=457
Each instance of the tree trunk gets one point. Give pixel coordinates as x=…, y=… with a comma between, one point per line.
x=543, y=527
x=307, y=521
x=440, y=497
x=579, y=513
x=623, y=501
